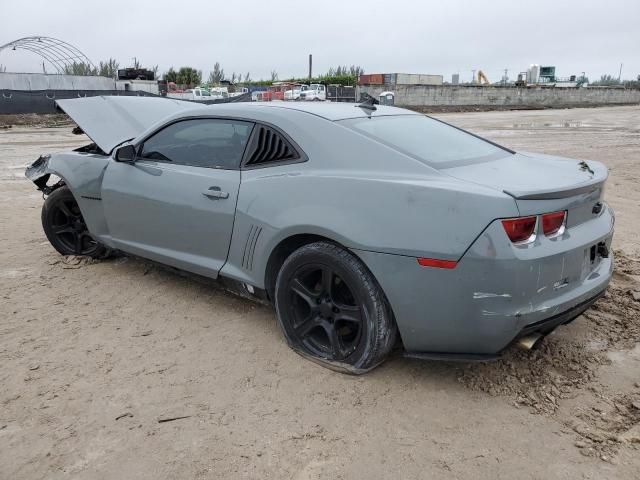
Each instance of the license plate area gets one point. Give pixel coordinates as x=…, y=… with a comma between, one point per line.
x=593, y=256
x=598, y=251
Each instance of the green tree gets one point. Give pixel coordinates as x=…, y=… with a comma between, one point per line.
x=247, y=78
x=108, y=68
x=627, y=83
x=80, y=68
x=171, y=75
x=217, y=75
x=343, y=70
x=356, y=70
x=607, y=81
x=274, y=76
x=189, y=76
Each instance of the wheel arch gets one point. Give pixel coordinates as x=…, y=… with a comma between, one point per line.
x=283, y=249
x=290, y=243
x=82, y=174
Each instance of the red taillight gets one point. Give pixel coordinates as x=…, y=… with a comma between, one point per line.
x=434, y=262
x=519, y=229
x=553, y=222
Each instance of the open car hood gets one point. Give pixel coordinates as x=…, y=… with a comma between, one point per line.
x=110, y=120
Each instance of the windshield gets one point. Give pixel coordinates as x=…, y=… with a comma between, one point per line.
x=427, y=139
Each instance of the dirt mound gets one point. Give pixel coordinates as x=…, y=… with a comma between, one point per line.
x=558, y=368
x=608, y=424
x=39, y=120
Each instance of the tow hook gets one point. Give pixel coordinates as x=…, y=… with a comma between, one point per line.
x=603, y=250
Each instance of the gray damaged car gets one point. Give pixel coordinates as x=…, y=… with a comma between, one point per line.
x=366, y=227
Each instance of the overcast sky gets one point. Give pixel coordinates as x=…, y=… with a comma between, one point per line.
x=437, y=37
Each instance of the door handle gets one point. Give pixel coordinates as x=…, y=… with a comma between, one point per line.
x=215, y=192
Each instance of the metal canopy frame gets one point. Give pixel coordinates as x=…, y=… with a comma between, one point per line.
x=58, y=53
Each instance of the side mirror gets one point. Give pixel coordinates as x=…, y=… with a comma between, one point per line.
x=126, y=154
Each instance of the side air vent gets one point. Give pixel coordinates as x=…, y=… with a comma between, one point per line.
x=267, y=145
x=250, y=247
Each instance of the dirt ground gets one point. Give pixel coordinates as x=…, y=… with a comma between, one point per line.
x=123, y=369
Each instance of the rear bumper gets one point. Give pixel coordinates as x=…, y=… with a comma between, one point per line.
x=543, y=327
x=497, y=292
x=546, y=326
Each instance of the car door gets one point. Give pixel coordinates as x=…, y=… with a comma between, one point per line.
x=176, y=202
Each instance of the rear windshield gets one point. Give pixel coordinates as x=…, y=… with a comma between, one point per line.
x=427, y=140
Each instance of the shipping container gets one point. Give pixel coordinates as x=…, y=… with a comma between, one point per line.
x=431, y=79
x=407, y=79
x=417, y=79
x=389, y=78
x=371, y=79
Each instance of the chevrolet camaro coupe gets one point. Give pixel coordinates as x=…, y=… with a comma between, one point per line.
x=365, y=226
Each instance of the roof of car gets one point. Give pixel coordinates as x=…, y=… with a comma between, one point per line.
x=111, y=120
x=328, y=110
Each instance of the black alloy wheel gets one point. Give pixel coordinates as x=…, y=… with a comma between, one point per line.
x=65, y=227
x=331, y=308
x=327, y=317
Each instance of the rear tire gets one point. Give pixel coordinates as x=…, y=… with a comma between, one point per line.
x=65, y=228
x=332, y=310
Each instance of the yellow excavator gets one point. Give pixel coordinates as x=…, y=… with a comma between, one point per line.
x=482, y=78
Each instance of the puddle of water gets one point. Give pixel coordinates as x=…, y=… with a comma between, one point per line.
x=567, y=124
x=17, y=273
x=624, y=356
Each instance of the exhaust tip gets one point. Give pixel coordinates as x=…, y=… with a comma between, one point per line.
x=528, y=342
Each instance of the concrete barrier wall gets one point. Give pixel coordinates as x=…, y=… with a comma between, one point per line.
x=41, y=81
x=417, y=96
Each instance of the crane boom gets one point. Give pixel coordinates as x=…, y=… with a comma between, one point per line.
x=482, y=78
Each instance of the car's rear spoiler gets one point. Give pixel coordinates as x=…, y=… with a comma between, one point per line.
x=586, y=187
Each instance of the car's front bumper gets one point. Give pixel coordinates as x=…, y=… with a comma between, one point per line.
x=497, y=292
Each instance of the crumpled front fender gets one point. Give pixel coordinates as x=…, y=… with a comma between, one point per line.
x=39, y=173
x=82, y=173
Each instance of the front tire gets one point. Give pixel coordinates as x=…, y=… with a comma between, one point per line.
x=65, y=227
x=332, y=310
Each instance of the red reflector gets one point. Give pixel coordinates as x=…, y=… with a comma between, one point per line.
x=553, y=222
x=519, y=229
x=434, y=262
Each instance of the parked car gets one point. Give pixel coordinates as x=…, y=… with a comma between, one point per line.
x=356, y=223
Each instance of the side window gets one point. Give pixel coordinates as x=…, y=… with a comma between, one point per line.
x=269, y=146
x=205, y=143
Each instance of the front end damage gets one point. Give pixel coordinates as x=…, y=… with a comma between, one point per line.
x=38, y=172
x=81, y=171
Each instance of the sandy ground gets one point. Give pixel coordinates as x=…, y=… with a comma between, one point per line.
x=94, y=356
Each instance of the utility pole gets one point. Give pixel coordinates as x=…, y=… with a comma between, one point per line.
x=620, y=74
x=504, y=79
x=473, y=76
x=310, y=68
